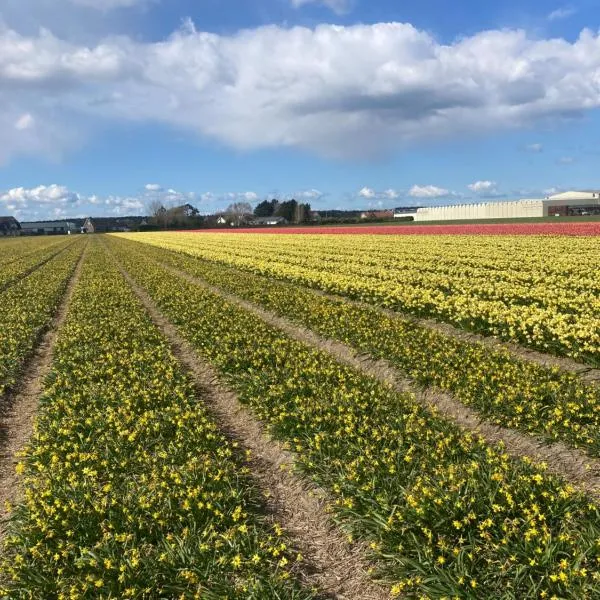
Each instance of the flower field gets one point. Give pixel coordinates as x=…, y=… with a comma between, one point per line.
x=131, y=486
x=131, y=491
x=506, y=391
x=16, y=248
x=15, y=263
x=444, y=512
x=577, y=229
x=541, y=292
x=26, y=308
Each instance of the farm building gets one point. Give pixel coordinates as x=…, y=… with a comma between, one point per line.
x=9, y=226
x=377, y=214
x=48, y=228
x=269, y=221
x=564, y=205
x=405, y=212
x=112, y=224
x=88, y=226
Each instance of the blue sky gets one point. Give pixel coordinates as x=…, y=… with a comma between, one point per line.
x=106, y=105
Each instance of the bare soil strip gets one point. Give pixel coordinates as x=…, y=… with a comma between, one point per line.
x=586, y=373
x=19, y=406
x=331, y=563
x=31, y=270
x=571, y=464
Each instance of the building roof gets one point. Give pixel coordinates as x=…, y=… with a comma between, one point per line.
x=47, y=224
x=266, y=220
x=11, y=220
x=576, y=195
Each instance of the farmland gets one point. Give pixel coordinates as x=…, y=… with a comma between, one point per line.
x=434, y=398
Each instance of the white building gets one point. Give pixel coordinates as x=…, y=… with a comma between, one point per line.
x=48, y=228
x=565, y=204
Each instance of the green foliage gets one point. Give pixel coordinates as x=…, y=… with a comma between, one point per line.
x=131, y=490
x=447, y=514
x=507, y=391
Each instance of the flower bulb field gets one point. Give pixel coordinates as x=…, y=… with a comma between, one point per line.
x=256, y=416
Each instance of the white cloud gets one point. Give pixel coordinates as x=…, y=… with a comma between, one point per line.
x=24, y=122
x=482, y=186
x=52, y=194
x=153, y=187
x=338, y=6
x=562, y=13
x=428, y=191
x=536, y=148
x=566, y=160
x=553, y=190
x=367, y=192
x=371, y=194
x=42, y=202
x=486, y=189
x=308, y=195
x=338, y=91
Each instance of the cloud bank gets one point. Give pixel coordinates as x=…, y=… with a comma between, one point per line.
x=344, y=92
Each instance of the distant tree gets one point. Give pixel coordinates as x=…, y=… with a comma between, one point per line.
x=238, y=211
x=302, y=214
x=185, y=215
x=266, y=208
x=158, y=213
x=287, y=210
x=293, y=211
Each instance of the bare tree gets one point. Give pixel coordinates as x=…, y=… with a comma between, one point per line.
x=158, y=212
x=237, y=211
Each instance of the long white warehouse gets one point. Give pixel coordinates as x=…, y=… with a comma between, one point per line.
x=566, y=204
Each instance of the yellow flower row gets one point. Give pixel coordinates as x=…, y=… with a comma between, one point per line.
x=507, y=391
x=444, y=512
x=541, y=292
x=131, y=490
x=26, y=256
x=16, y=248
x=26, y=309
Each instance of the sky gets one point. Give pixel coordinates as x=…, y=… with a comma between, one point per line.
x=109, y=105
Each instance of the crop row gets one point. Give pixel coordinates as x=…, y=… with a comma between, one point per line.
x=26, y=309
x=130, y=489
x=505, y=390
x=12, y=249
x=27, y=261
x=545, y=295
x=447, y=514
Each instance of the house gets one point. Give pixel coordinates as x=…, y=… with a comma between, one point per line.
x=9, y=226
x=269, y=221
x=112, y=224
x=406, y=213
x=221, y=220
x=88, y=226
x=377, y=214
x=48, y=228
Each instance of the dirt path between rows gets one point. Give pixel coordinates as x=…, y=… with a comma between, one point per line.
x=19, y=406
x=571, y=464
x=331, y=563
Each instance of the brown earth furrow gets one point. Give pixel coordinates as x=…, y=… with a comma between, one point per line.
x=571, y=464
x=20, y=405
x=331, y=563
x=586, y=373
